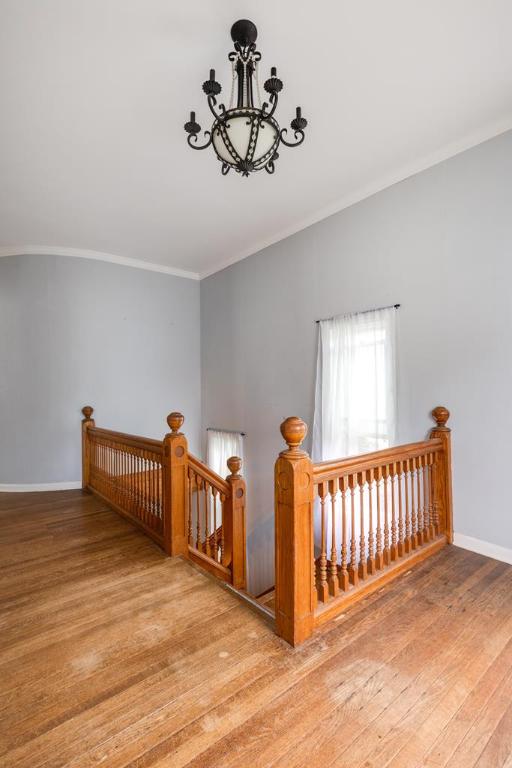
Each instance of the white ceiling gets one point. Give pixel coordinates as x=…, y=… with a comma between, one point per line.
x=94, y=94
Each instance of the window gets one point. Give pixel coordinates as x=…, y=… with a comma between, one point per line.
x=355, y=397
x=220, y=446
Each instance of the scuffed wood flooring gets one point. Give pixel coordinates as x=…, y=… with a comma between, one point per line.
x=112, y=654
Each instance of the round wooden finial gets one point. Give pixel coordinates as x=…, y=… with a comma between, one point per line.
x=175, y=421
x=294, y=430
x=441, y=416
x=234, y=465
x=87, y=411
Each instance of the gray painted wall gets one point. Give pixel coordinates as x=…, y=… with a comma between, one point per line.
x=76, y=332
x=440, y=243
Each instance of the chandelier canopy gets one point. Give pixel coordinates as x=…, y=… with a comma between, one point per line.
x=245, y=137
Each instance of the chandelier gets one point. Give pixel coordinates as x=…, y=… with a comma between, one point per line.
x=245, y=137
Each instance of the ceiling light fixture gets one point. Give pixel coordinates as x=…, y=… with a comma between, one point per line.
x=245, y=137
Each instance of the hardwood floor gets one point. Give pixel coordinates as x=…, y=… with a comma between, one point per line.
x=113, y=654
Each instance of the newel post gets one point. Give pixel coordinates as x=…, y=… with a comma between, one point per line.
x=443, y=471
x=87, y=422
x=233, y=523
x=294, y=538
x=174, y=487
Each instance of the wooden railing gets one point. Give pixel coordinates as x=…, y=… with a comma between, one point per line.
x=377, y=514
x=171, y=495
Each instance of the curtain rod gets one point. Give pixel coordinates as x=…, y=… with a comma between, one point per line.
x=229, y=431
x=364, y=312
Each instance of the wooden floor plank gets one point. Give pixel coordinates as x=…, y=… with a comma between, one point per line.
x=112, y=653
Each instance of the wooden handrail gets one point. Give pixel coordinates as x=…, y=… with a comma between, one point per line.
x=378, y=514
x=208, y=474
x=132, y=440
x=326, y=470
x=160, y=486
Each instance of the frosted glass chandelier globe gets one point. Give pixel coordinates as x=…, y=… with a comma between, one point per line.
x=245, y=140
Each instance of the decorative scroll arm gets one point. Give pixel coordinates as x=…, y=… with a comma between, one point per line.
x=299, y=135
x=192, y=140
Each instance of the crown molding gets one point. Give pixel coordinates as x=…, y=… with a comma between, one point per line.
x=80, y=253
x=429, y=161
x=412, y=169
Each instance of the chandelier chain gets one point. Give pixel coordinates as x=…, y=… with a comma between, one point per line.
x=244, y=92
x=257, y=73
x=233, y=77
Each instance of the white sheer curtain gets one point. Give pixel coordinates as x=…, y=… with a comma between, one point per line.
x=355, y=396
x=220, y=446
x=356, y=392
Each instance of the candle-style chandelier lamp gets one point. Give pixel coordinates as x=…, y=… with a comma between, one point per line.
x=245, y=137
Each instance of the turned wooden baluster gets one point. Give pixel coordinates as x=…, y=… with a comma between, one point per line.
x=149, y=495
x=394, y=529
x=140, y=486
x=153, y=489
x=323, y=587
x=122, y=479
x=333, y=568
x=190, y=538
x=113, y=449
x=215, y=553
x=379, y=554
x=401, y=527
x=199, y=485
x=408, y=517
x=222, y=499
x=135, y=484
x=119, y=476
x=432, y=528
x=344, y=576
x=352, y=569
x=371, y=534
x=142, y=478
x=420, y=500
x=387, y=549
x=207, y=548
x=434, y=489
x=414, y=508
x=425, y=523
x=363, y=568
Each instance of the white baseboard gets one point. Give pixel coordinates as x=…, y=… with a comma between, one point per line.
x=31, y=487
x=486, y=548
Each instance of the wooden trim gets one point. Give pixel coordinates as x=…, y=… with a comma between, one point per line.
x=443, y=473
x=328, y=470
x=218, y=570
x=87, y=426
x=294, y=561
x=175, y=488
x=233, y=525
x=330, y=610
